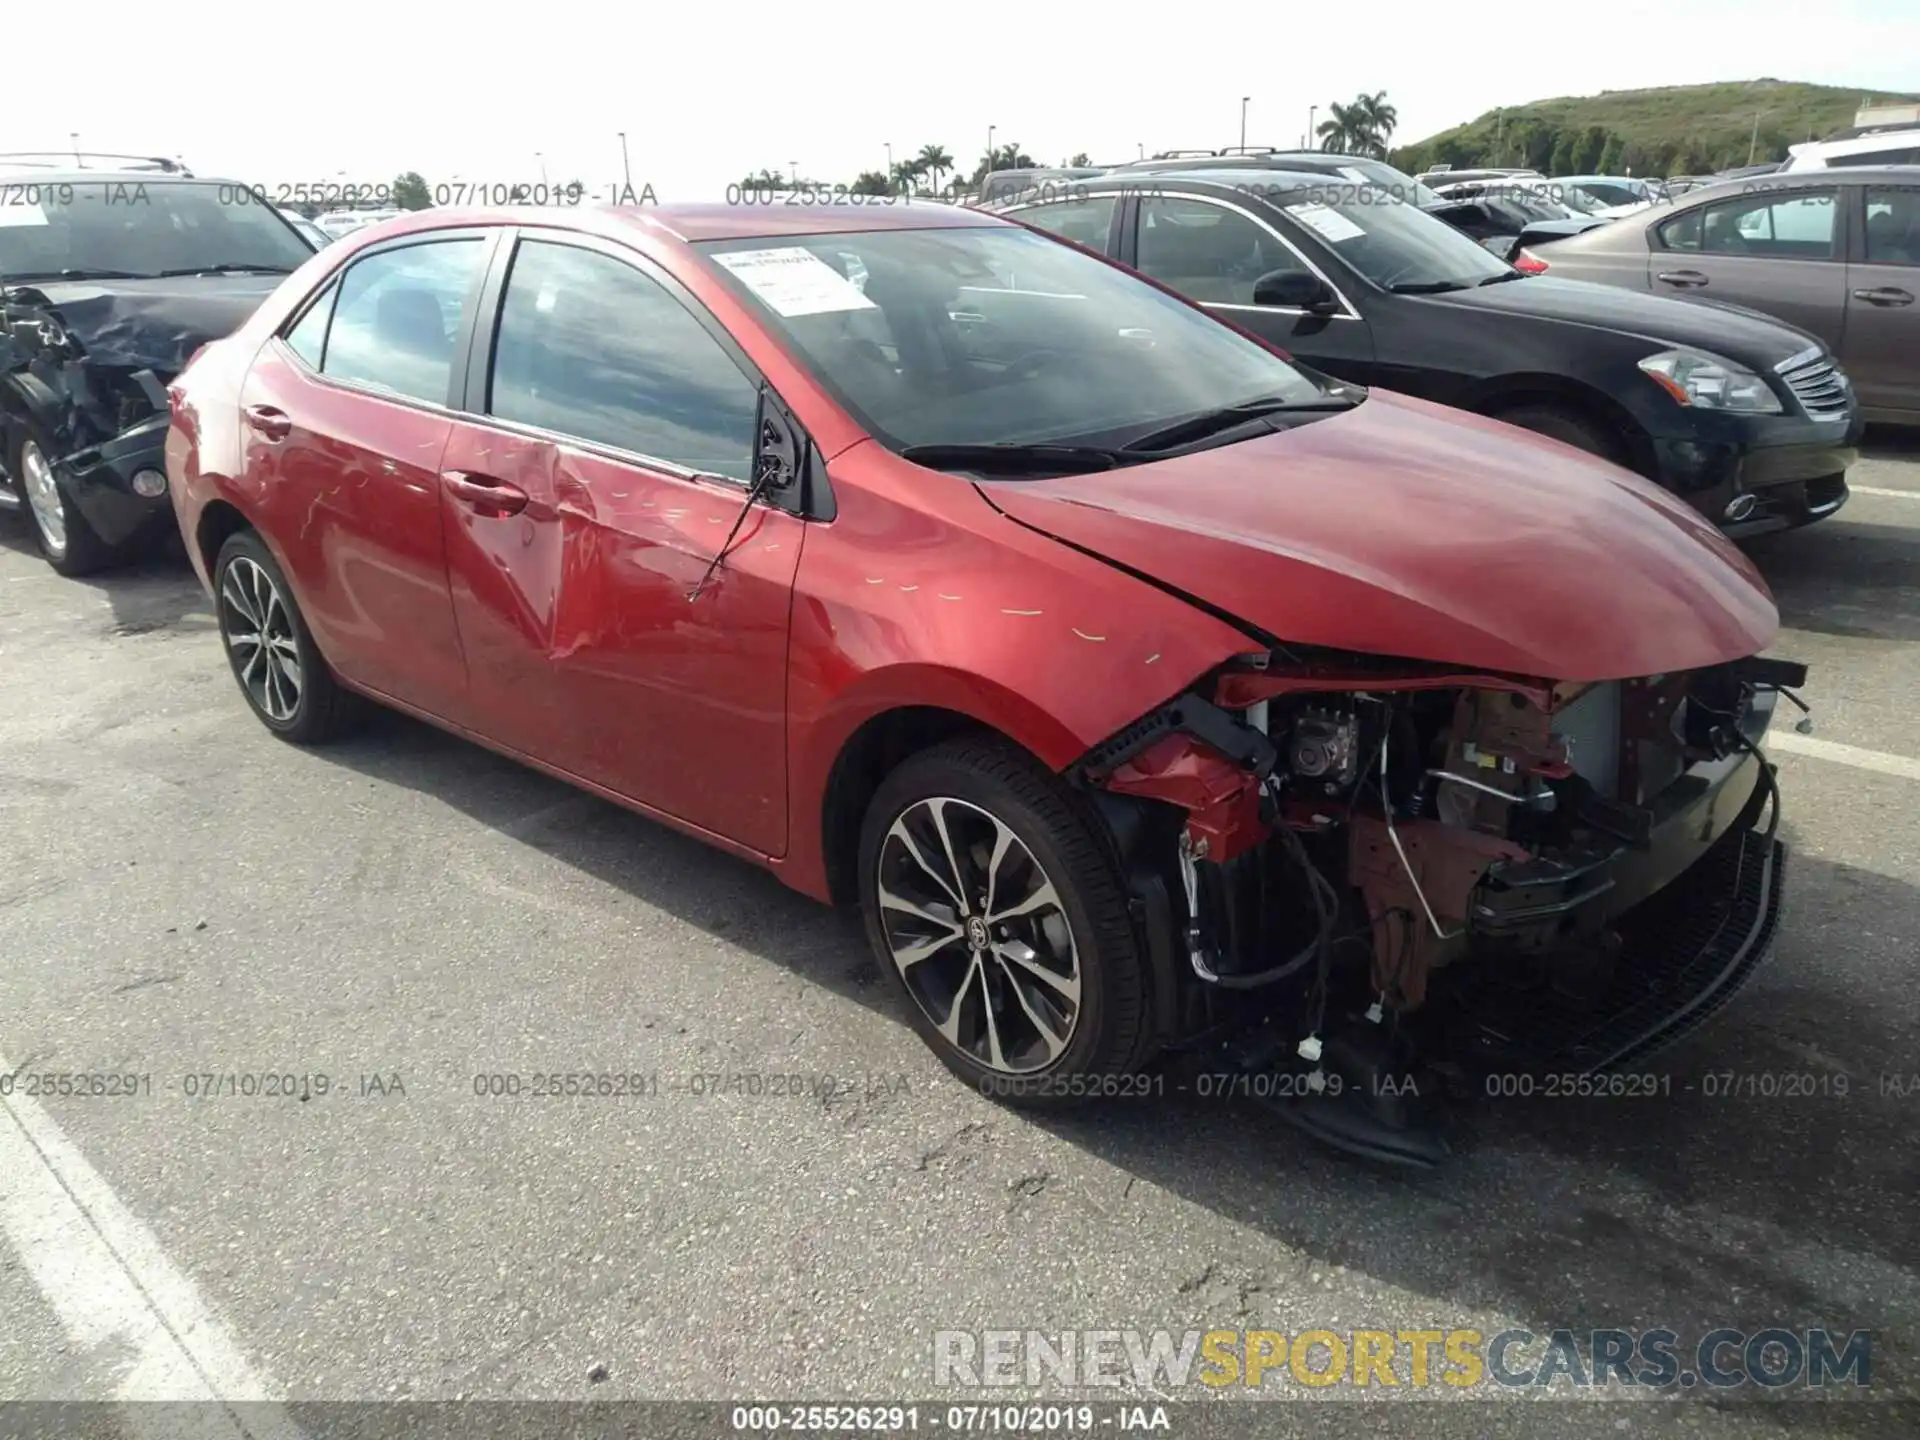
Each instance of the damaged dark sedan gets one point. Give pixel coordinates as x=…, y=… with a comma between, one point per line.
x=109, y=282
x=1148, y=692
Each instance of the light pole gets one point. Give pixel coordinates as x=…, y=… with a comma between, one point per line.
x=990, y=130
x=1243, y=122
x=74, y=135
x=793, y=174
x=542, y=162
x=1141, y=146
x=1312, y=110
x=626, y=171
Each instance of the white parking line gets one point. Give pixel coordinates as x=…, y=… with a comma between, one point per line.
x=1883, y=490
x=116, y=1292
x=1880, y=761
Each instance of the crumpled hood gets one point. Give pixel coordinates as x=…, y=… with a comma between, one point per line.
x=1407, y=529
x=149, y=324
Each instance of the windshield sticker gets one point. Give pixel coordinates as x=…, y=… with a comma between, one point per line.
x=792, y=281
x=14, y=211
x=1330, y=223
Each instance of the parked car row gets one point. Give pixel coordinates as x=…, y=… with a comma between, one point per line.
x=1748, y=419
x=1147, y=688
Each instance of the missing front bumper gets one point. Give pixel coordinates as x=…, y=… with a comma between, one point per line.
x=1682, y=957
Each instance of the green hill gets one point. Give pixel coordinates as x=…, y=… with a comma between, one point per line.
x=1677, y=130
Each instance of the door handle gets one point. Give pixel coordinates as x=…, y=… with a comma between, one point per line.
x=268, y=422
x=494, y=499
x=1885, y=295
x=1685, y=279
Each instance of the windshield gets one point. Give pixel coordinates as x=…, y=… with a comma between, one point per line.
x=1395, y=245
x=994, y=335
x=140, y=228
x=1397, y=183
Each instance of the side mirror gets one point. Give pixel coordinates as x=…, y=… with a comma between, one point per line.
x=1294, y=290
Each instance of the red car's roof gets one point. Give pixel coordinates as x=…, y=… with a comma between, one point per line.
x=716, y=221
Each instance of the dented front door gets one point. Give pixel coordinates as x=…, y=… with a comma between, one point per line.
x=583, y=647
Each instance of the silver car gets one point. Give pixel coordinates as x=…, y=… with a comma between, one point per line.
x=1834, y=252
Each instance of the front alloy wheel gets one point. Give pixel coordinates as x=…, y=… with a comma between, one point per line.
x=995, y=906
x=977, y=931
x=43, y=499
x=65, y=539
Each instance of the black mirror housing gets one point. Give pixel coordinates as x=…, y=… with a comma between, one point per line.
x=1294, y=290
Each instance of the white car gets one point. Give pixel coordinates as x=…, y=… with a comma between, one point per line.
x=1608, y=196
x=344, y=222
x=1882, y=147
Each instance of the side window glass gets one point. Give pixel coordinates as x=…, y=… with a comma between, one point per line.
x=1087, y=222
x=1683, y=231
x=398, y=317
x=308, y=339
x=1893, y=226
x=1207, y=252
x=1780, y=227
x=590, y=347
x=1905, y=156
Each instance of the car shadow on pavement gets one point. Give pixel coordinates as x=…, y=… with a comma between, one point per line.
x=1691, y=1209
x=1845, y=578
x=1891, y=442
x=158, y=591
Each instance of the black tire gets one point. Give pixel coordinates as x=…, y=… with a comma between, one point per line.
x=78, y=551
x=1569, y=427
x=1110, y=1036
x=323, y=708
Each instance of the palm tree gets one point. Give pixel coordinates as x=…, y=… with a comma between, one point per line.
x=1379, y=118
x=934, y=161
x=1003, y=157
x=905, y=175
x=1346, y=132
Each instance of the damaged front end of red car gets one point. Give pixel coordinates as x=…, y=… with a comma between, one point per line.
x=1366, y=882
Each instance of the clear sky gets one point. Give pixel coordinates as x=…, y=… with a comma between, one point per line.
x=707, y=92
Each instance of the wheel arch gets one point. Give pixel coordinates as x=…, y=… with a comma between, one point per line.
x=220, y=520
x=835, y=777
x=1505, y=393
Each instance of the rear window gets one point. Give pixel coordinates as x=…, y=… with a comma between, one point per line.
x=138, y=227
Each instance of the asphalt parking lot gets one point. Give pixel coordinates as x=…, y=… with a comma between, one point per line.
x=182, y=895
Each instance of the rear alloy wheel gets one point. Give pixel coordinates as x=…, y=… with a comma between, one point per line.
x=999, y=916
x=283, y=675
x=62, y=532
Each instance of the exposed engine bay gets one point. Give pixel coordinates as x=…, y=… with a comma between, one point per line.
x=89, y=360
x=1383, y=867
x=84, y=367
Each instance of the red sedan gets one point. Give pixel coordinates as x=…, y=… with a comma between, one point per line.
x=1147, y=690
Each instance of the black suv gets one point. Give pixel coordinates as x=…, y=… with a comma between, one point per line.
x=1748, y=419
x=110, y=279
